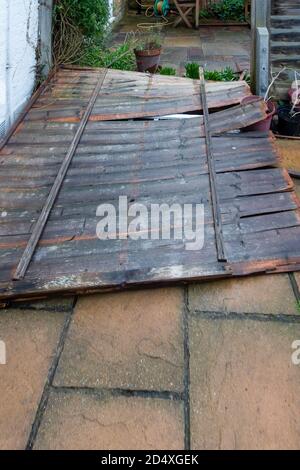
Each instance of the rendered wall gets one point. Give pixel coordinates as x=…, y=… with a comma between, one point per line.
x=19, y=21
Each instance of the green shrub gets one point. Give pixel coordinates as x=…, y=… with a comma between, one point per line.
x=76, y=25
x=121, y=58
x=192, y=71
x=91, y=16
x=167, y=71
x=226, y=75
x=205, y=14
x=226, y=10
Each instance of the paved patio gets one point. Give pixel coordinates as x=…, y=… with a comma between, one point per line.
x=206, y=366
x=215, y=48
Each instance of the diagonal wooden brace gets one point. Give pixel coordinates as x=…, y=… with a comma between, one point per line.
x=184, y=9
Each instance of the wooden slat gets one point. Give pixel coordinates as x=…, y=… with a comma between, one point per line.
x=152, y=162
x=28, y=106
x=42, y=220
x=128, y=95
x=212, y=173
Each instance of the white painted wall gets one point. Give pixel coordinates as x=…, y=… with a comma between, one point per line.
x=18, y=41
x=111, y=14
x=45, y=36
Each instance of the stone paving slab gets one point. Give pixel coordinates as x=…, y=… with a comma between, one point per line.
x=130, y=340
x=194, y=54
x=78, y=421
x=224, y=48
x=175, y=54
x=222, y=34
x=269, y=294
x=244, y=387
x=182, y=41
x=180, y=31
x=31, y=339
x=290, y=153
x=220, y=65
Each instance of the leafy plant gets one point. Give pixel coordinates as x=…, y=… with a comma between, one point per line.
x=192, y=70
x=226, y=10
x=226, y=75
x=68, y=40
x=90, y=16
x=247, y=78
x=149, y=40
x=77, y=24
x=121, y=57
x=167, y=71
x=205, y=14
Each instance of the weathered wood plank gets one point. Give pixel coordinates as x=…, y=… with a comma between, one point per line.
x=151, y=162
x=45, y=212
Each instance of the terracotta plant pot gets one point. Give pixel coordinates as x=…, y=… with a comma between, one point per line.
x=265, y=124
x=147, y=60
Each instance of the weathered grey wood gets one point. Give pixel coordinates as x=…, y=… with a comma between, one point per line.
x=212, y=172
x=262, y=61
x=152, y=162
x=45, y=36
x=42, y=220
x=260, y=17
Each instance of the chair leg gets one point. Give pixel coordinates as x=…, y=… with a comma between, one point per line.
x=184, y=14
x=177, y=21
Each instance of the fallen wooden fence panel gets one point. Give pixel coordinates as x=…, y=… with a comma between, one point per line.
x=149, y=162
x=127, y=95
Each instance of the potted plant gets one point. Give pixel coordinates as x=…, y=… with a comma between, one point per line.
x=265, y=124
x=289, y=115
x=147, y=51
x=288, y=121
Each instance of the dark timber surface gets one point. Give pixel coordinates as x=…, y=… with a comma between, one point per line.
x=121, y=152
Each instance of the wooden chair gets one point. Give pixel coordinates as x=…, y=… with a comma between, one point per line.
x=186, y=10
